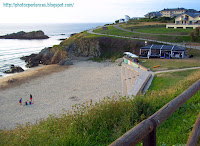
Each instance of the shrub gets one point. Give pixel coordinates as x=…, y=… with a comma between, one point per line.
x=192, y=37
x=195, y=35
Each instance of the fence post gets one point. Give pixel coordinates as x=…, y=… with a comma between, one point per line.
x=150, y=140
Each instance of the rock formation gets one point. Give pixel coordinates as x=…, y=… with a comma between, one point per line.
x=14, y=69
x=23, y=35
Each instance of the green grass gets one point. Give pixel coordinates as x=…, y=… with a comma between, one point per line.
x=114, y=31
x=157, y=29
x=168, y=64
x=103, y=122
x=177, y=128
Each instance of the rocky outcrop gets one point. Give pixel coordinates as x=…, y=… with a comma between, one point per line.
x=81, y=46
x=14, y=69
x=72, y=34
x=47, y=56
x=66, y=62
x=23, y=35
x=102, y=47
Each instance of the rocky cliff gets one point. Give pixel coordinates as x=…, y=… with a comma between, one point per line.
x=84, y=44
x=26, y=35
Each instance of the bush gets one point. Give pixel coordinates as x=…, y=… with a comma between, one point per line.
x=192, y=37
x=195, y=35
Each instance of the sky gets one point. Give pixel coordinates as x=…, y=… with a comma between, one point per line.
x=84, y=11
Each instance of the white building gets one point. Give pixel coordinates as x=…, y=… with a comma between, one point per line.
x=127, y=18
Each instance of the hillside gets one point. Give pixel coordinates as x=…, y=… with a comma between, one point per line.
x=87, y=45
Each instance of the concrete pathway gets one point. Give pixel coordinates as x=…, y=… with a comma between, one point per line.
x=173, y=70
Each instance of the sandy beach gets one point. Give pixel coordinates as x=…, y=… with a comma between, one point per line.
x=55, y=88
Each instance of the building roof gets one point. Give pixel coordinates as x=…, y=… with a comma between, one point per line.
x=164, y=47
x=193, y=15
x=174, y=9
x=130, y=54
x=153, y=14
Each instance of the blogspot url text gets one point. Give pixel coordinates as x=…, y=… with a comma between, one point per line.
x=39, y=5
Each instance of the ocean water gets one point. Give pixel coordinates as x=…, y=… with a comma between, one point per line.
x=12, y=49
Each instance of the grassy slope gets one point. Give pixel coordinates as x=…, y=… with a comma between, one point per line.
x=102, y=123
x=177, y=128
x=156, y=29
x=114, y=31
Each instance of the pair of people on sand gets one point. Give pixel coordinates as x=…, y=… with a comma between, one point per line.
x=26, y=102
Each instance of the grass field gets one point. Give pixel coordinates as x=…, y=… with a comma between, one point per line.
x=157, y=29
x=168, y=64
x=103, y=122
x=114, y=31
x=176, y=129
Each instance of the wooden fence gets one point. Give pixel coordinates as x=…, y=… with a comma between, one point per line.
x=146, y=130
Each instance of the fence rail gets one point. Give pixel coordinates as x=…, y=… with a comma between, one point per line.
x=195, y=133
x=146, y=130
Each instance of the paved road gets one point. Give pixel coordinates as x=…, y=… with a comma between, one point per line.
x=173, y=70
x=169, y=43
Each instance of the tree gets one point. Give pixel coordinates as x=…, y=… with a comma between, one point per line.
x=117, y=21
x=195, y=35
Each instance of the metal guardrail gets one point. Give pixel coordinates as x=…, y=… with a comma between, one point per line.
x=146, y=130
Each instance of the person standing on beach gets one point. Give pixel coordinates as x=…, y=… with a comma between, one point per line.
x=31, y=97
x=20, y=101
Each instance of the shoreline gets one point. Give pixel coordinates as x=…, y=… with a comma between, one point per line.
x=17, y=79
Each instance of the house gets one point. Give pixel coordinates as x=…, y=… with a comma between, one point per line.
x=188, y=18
x=172, y=12
x=162, y=51
x=185, y=20
x=153, y=14
x=127, y=18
